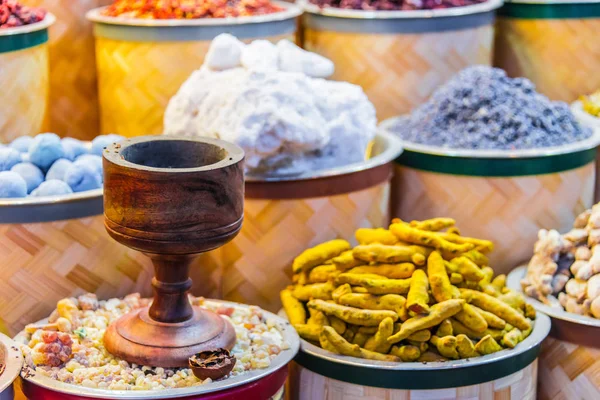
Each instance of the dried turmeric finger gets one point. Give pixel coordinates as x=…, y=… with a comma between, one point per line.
x=499, y=282
x=529, y=311
x=420, y=336
x=514, y=299
x=348, y=335
x=527, y=332
x=317, y=255
x=322, y=273
x=376, y=286
x=425, y=238
x=353, y=350
x=468, y=269
x=359, y=289
x=406, y=353
x=497, y=307
x=393, y=271
x=317, y=318
x=431, y=356
x=445, y=329
x=433, y=224
x=446, y=346
x=482, y=245
x=492, y=320
x=392, y=302
x=487, y=345
x=418, y=295
x=437, y=313
x=379, y=235
x=470, y=318
x=337, y=324
x=326, y=345
x=477, y=257
x=360, y=339
x=386, y=254
x=369, y=330
x=458, y=328
x=378, y=342
x=309, y=332
x=346, y=261
x=456, y=278
x=438, y=278
x=314, y=291
x=465, y=347
x=512, y=338
x=340, y=291
x=294, y=309
x=454, y=230
x=352, y=315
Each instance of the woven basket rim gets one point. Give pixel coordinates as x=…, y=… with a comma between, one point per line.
x=48, y=20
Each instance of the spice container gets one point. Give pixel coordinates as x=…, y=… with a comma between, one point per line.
x=24, y=79
x=11, y=361
x=142, y=62
x=400, y=57
x=533, y=35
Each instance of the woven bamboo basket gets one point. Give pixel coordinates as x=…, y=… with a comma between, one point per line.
x=283, y=217
x=24, y=79
x=73, y=109
x=509, y=374
x=141, y=64
x=534, y=35
x=502, y=196
x=400, y=57
x=570, y=358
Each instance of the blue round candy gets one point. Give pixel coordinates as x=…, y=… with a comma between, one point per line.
x=81, y=176
x=12, y=185
x=73, y=148
x=21, y=144
x=45, y=149
x=58, y=169
x=52, y=187
x=32, y=175
x=100, y=142
x=8, y=158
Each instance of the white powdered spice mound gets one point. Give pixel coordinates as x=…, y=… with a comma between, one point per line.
x=272, y=101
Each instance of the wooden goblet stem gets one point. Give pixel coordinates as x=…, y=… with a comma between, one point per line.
x=171, y=284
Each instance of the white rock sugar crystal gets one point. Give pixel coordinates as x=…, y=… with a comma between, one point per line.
x=273, y=102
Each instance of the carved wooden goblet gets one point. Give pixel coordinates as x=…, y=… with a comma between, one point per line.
x=171, y=198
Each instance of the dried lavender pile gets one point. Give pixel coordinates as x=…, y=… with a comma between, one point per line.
x=390, y=5
x=482, y=108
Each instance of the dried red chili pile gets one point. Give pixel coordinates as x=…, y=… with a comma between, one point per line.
x=189, y=9
x=13, y=14
x=390, y=5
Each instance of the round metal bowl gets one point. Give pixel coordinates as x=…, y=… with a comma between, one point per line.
x=38, y=26
x=429, y=375
x=269, y=379
x=12, y=360
x=566, y=326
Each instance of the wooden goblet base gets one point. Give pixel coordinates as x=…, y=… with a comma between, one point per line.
x=139, y=339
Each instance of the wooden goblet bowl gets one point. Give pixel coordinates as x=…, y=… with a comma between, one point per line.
x=171, y=198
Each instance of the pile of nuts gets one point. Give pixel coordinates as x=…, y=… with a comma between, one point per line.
x=189, y=9
x=13, y=14
x=392, y=5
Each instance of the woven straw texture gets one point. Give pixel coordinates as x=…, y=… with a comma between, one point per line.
x=137, y=79
x=559, y=55
x=73, y=87
x=401, y=71
x=256, y=265
x=304, y=384
x=508, y=211
x=568, y=371
x=23, y=92
x=43, y=263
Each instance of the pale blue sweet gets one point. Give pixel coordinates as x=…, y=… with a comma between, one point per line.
x=21, y=144
x=52, y=187
x=100, y=142
x=32, y=175
x=45, y=149
x=73, y=148
x=82, y=176
x=9, y=158
x=12, y=185
x=92, y=160
x=58, y=169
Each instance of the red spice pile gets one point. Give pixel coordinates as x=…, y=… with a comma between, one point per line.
x=394, y=5
x=13, y=14
x=189, y=9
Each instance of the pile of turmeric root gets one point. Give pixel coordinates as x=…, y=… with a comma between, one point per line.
x=418, y=291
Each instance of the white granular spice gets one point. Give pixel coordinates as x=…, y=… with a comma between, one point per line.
x=259, y=341
x=271, y=100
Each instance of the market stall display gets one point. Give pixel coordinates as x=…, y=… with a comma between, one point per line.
x=24, y=77
x=142, y=62
x=399, y=57
x=410, y=300
x=500, y=177
x=11, y=361
x=535, y=34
